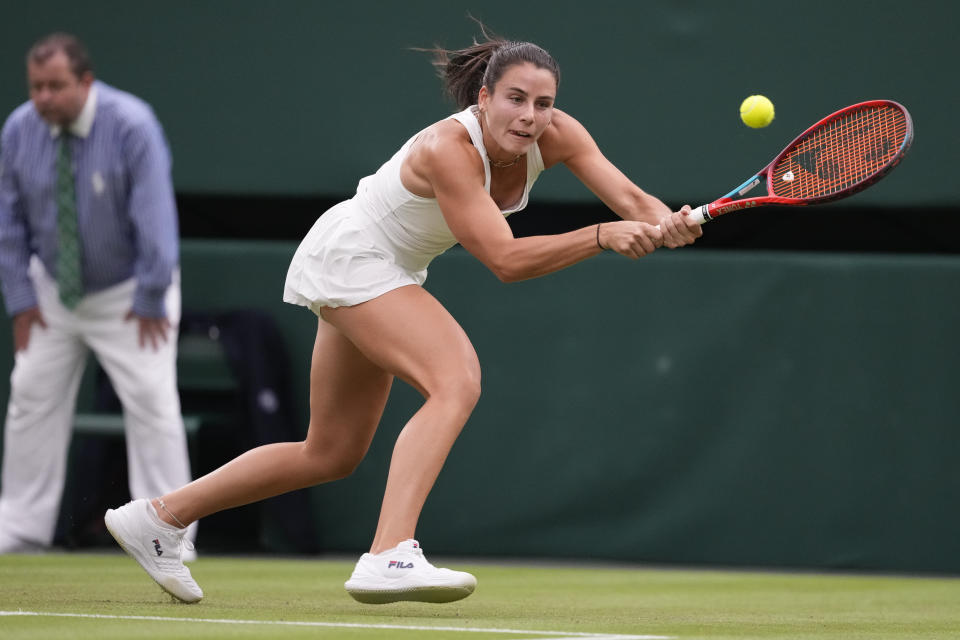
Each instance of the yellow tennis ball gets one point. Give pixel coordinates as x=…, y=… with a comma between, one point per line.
x=756, y=111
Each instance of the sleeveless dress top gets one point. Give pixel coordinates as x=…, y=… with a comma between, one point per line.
x=384, y=237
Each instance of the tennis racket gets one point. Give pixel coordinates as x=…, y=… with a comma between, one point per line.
x=844, y=153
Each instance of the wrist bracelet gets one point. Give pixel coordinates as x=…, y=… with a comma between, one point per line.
x=598, y=237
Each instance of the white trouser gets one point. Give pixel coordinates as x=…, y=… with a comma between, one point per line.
x=43, y=392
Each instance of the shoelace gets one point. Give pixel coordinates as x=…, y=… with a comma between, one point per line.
x=176, y=564
x=418, y=551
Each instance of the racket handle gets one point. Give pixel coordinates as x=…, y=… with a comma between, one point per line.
x=701, y=214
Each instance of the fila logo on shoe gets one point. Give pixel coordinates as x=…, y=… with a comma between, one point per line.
x=399, y=564
x=156, y=546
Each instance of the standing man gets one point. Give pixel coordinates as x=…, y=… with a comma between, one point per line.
x=88, y=260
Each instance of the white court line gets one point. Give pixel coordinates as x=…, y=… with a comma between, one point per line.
x=555, y=635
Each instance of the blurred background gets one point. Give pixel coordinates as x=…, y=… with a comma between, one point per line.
x=781, y=394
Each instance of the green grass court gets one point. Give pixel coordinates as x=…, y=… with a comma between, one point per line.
x=108, y=596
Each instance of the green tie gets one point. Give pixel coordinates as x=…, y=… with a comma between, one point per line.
x=69, y=274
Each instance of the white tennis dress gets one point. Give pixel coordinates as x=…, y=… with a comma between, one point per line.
x=382, y=238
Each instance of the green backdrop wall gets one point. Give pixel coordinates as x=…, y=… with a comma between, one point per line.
x=781, y=409
x=305, y=97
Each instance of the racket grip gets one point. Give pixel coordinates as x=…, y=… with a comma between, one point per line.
x=701, y=214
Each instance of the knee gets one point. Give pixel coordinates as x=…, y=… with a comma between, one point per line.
x=460, y=391
x=158, y=404
x=32, y=391
x=341, y=468
x=470, y=389
x=332, y=463
x=29, y=398
x=32, y=406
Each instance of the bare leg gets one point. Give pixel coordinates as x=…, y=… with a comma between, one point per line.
x=408, y=333
x=404, y=333
x=347, y=396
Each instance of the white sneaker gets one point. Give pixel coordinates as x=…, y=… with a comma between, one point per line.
x=187, y=552
x=403, y=573
x=155, y=545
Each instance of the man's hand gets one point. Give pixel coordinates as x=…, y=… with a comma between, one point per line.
x=22, y=324
x=152, y=331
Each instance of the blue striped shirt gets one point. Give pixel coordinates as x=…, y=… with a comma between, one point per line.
x=127, y=216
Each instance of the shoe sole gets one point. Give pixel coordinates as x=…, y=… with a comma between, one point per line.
x=419, y=594
x=133, y=552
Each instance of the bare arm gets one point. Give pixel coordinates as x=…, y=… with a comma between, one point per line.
x=567, y=141
x=454, y=171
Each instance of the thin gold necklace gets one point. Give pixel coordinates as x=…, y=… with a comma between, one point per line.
x=503, y=165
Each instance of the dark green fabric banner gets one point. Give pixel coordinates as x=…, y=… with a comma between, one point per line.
x=791, y=410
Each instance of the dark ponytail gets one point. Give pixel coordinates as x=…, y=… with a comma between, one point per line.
x=464, y=71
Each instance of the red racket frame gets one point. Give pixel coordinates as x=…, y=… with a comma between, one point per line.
x=735, y=201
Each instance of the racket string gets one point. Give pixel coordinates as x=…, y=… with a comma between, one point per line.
x=841, y=154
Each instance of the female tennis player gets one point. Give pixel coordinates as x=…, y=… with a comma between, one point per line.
x=360, y=269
